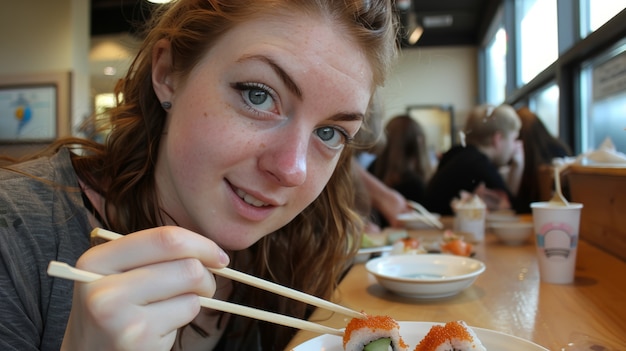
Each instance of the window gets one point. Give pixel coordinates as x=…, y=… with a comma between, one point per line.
x=595, y=13
x=537, y=36
x=545, y=104
x=603, y=83
x=496, y=68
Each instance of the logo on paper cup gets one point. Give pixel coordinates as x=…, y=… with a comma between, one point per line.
x=556, y=239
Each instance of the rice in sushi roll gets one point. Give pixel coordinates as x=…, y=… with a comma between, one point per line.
x=453, y=336
x=373, y=333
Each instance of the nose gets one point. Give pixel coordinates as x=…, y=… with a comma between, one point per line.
x=286, y=159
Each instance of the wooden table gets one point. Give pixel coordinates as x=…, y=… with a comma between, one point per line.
x=508, y=297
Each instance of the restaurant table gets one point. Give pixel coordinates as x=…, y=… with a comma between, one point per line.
x=508, y=297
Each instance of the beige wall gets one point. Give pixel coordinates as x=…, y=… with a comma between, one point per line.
x=427, y=76
x=48, y=38
x=36, y=36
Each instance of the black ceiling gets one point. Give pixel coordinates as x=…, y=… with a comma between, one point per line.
x=467, y=20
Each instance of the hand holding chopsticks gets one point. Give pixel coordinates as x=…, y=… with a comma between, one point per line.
x=74, y=274
x=63, y=270
x=259, y=283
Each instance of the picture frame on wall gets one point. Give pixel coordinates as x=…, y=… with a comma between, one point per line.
x=438, y=124
x=34, y=108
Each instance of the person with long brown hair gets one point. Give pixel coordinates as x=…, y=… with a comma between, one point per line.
x=540, y=148
x=230, y=145
x=403, y=163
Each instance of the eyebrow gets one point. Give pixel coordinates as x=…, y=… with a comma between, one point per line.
x=291, y=85
x=346, y=116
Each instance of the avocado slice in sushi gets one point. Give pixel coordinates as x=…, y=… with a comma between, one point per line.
x=381, y=344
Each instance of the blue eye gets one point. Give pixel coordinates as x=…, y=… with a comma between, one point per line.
x=257, y=96
x=334, y=138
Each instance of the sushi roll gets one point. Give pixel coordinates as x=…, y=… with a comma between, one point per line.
x=454, y=244
x=374, y=333
x=453, y=336
x=406, y=246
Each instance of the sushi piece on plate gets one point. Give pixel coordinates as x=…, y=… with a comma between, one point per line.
x=406, y=246
x=454, y=244
x=453, y=336
x=374, y=333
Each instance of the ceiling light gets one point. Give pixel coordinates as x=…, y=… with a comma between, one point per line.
x=159, y=1
x=109, y=71
x=414, y=30
x=415, y=35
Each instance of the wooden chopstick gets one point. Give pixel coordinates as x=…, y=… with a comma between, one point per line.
x=429, y=216
x=259, y=283
x=375, y=249
x=65, y=271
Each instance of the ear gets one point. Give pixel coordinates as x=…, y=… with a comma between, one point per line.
x=162, y=72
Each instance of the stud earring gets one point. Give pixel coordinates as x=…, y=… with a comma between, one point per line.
x=166, y=105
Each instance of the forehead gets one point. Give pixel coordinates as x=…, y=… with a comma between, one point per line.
x=304, y=46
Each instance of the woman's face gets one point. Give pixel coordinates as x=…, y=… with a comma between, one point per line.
x=506, y=148
x=257, y=128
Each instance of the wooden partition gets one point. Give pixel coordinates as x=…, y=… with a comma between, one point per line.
x=602, y=191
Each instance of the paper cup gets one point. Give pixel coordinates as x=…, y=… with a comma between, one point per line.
x=556, y=234
x=471, y=221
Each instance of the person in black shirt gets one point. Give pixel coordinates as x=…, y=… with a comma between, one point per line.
x=490, y=143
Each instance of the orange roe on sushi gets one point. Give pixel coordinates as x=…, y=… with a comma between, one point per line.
x=440, y=334
x=373, y=323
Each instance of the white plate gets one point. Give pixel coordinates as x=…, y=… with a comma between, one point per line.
x=413, y=332
x=425, y=276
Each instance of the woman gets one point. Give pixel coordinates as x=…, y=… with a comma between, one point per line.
x=230, y=146
x=403, y=163
x=540, y=148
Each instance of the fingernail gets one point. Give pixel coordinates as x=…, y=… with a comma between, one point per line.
x=223, y=258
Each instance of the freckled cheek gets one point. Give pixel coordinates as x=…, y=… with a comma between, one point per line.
x=197, y=146
x=188, y=160
x=320, y=173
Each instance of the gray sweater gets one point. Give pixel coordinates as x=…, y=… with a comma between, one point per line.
x=43, y=218
x=40, y=220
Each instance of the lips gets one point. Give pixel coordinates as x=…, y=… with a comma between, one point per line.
x=249, y=199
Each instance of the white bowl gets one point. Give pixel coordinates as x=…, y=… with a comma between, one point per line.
x=425, y=276
x=512, y=233
x=414, y=220
x=502, y=216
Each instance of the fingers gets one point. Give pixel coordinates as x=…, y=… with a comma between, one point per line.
x=153, y=279
x=152, y=246
x=157, y=282
x=132, y=327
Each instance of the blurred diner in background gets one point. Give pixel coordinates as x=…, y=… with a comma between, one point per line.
x=490, y=142
x=540, y=150
x=403, y=163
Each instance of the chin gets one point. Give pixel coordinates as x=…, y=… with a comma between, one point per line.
x=240, y=243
